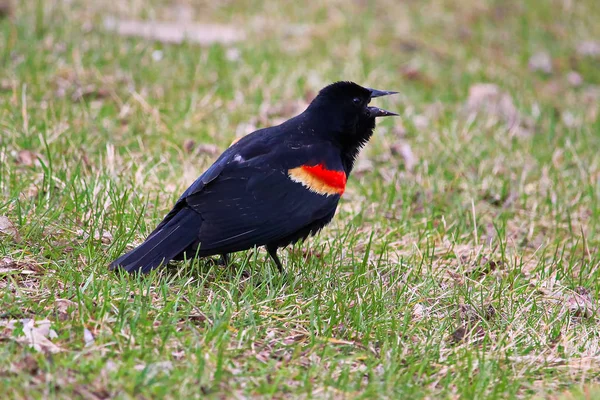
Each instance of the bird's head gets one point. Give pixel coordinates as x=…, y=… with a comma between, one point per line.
x=343, y=107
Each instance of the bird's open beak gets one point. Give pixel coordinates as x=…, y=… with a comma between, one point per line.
x=376, y=111
x=380, y=93
x=380, y=112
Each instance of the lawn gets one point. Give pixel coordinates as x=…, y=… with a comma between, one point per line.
x=463, y=261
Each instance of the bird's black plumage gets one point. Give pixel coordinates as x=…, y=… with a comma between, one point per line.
x=272, y=188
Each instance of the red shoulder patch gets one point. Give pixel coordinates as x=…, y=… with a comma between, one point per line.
x=319, y=179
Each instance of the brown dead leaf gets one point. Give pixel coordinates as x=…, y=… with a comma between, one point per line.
x=64, y=308
x=242, y=130
x=458, y=335
x=468, y=314
x=591, y=95
x=272, y=114
x=363, y=164
x=293, y=339
x=306, y=254
x=311, y=253
x=88, y=337
x=412, y=72
x=309, y=95
x=589, y=48
x=89, y=92
x=31, y=192
x=232, y=54
x=399, y=130
x=541, y=62
x=84, y=157
x=8, y=228
x=571, y=120
x=189, y=145
x=9, y=265
x=87, y=393
x=489, y=312
x=488, y=99
x=466, y=333
x=7, y=85
x=176, y=32
x=482, y=267
x=574, y=79
x=27, y=158
x=207, y=148
x=105, y=236
x=27, y=364
x=572, y=364
x=154, y=369
x=87, y=85
x=420, y=122
x=404, y=150
x=581, y=304
x=419, y=312
x=6, y=8
x=36, y=334
x=109, y=367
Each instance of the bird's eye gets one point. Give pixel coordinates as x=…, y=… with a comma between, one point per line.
x=356, y=101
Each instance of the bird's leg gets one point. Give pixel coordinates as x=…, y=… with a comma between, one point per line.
x=224, y=261
x=272, y=250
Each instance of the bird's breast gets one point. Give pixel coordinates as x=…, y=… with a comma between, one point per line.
x=319, y=179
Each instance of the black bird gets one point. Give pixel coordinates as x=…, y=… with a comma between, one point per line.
x=273, y=187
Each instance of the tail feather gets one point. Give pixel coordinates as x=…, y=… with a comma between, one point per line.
x=162, y=245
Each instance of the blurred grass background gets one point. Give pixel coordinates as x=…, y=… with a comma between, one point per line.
x=462, y=263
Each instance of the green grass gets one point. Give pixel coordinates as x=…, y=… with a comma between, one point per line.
x=474, y=274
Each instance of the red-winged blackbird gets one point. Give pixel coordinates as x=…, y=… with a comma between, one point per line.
x=272, y=188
